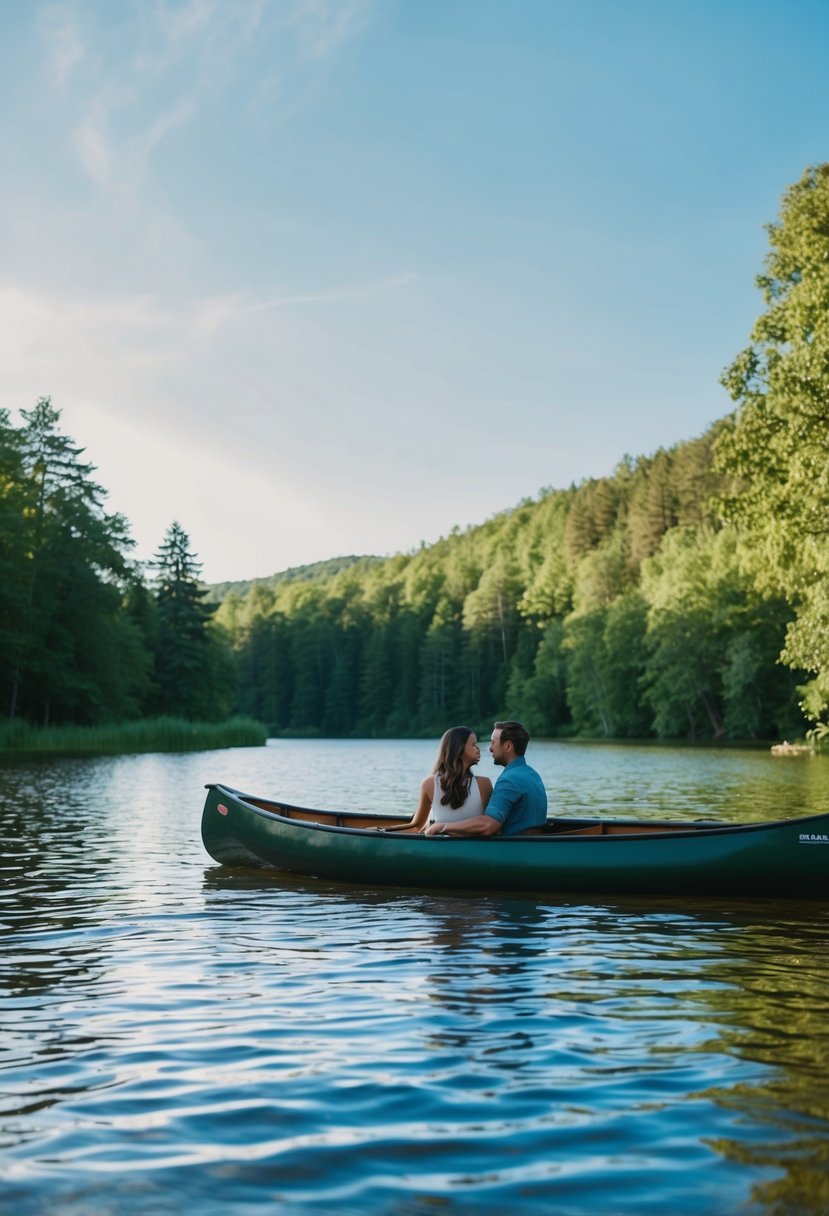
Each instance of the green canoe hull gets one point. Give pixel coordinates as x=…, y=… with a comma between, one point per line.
x=780, y=858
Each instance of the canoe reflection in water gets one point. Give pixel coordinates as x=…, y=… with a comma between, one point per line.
x=777, y=858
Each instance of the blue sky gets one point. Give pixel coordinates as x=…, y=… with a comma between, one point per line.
x=317, y=277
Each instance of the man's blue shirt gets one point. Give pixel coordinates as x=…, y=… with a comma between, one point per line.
x=519, y=800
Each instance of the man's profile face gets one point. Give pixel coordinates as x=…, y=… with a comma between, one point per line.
x=496, y=749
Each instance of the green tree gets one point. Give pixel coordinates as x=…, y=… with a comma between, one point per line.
x=543, y=693
x=776, y=446
x=589, y=519
x=439, y=654
x=606, y=654
x=601, y=576
x=376, y=681
x=194, y=675
x=588, y=692
x=652, y=507
x=713, y=638
x=14, y=559
x=75, y=654
x=545, y=611
x=626, y=649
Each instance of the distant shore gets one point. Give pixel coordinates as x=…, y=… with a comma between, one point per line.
x=161, y=734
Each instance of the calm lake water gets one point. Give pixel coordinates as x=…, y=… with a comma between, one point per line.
x=179, y=1037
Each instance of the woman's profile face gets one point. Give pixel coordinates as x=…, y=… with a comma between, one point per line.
x=471, y=753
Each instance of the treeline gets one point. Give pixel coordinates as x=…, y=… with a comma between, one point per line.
x=86, y=635
x=685, y=596
x=615, y=609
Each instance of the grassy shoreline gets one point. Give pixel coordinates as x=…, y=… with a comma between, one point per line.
x=147, y=735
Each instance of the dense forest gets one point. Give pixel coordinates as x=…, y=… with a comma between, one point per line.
x=616, y=608
x=86, y=635
x=684, y=596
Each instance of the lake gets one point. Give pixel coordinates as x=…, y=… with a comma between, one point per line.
x=180, y=1037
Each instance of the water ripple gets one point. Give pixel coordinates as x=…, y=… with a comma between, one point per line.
x=177, y=1036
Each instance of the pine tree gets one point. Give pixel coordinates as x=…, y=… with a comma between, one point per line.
x=185, y=657
x=71, y=571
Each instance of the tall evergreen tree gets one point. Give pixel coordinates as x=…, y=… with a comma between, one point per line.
x=71, y=575
x=14, y=559
x=192, y=666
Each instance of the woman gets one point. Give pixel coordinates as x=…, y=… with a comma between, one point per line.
x=453, y=791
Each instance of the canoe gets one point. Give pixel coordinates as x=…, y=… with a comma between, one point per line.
x=787, y=857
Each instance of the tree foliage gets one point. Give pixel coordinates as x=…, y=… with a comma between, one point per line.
x=83, y=639
x=193, y=675
x=640, y=618
x=635, y=620
x=776, y=446
x=69, y=652
x=685, y=595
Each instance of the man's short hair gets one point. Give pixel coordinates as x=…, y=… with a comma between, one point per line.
x=514, y=733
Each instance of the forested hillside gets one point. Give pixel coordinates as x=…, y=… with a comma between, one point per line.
x=216, y=592
x=684, y=596
x=615, y=608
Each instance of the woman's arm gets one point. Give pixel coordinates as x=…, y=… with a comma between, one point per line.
x=424, y=806
x=485, y=786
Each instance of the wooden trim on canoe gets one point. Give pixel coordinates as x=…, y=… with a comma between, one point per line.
x=364, y=821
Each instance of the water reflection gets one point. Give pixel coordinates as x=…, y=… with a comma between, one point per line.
x=178, y=1035
x=627, y=1006
x=775, y=1004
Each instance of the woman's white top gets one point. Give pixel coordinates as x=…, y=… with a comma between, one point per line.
x=473, y=805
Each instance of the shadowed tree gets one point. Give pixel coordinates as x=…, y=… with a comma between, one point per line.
x=75, y=655
x=193, y=669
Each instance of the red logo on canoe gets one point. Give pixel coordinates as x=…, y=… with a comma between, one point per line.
x=221, y=808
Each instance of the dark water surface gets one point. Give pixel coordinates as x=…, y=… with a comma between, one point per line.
x=177, y=1037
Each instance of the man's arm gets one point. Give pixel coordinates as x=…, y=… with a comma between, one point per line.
x=475, y=825
x=504, y=797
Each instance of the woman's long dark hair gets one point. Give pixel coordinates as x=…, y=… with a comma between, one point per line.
x=455, y=779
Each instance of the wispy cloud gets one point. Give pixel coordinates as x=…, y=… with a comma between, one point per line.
x=212, y=313
x=179, y=23
x=363, y=291
x=140, y=328
x=206, y=32
x=168, y=60
x=94, y=149
x=78, y=331
x=321, y=26
x=130, y=100
x=64, y=47
x=121, y=165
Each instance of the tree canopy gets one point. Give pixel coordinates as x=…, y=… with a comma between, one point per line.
x=618, y=608
x=683, y=596
x=776, y=446
x=68, y=651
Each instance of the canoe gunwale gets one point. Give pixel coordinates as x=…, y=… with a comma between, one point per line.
x=578, y=833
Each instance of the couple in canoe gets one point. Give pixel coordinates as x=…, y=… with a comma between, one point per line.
x=454, y=802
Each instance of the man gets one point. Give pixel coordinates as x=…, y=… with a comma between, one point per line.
x=519, y=800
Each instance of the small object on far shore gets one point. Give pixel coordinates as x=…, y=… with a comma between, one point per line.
x=791, y=749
